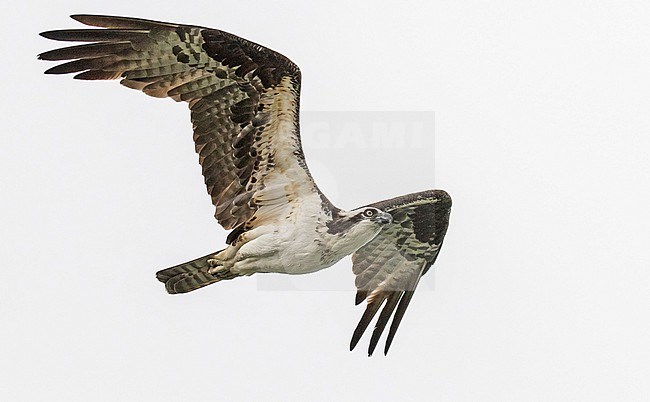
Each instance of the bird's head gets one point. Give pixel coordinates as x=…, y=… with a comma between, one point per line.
x=373, y=215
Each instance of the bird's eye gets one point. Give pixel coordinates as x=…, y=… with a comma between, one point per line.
x=369, y=213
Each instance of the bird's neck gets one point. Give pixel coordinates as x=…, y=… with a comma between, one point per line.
x=346, y=237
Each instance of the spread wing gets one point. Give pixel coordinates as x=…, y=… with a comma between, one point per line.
x=390, y=266
x=243, y=99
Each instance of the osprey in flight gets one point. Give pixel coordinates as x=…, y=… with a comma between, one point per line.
x=244, y=101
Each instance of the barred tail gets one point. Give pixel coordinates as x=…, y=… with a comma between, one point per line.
x=189, y=276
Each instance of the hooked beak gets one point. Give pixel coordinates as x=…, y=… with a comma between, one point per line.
x=384, y=218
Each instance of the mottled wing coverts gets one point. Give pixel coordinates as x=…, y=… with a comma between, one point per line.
x=389, y=268
x=243, y=99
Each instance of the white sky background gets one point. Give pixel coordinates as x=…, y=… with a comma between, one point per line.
x=542, y=139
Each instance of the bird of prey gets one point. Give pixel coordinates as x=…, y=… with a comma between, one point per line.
x=244, y=103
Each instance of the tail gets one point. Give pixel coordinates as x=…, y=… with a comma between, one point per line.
x=189, y=276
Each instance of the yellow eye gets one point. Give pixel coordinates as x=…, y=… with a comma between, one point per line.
x=369, y=213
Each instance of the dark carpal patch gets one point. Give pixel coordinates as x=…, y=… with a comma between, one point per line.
x=248, y=57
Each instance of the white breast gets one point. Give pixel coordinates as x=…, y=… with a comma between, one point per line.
x=301, y=237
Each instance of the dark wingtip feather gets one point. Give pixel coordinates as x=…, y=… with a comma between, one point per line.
x=399, y=314
x=108, y=21
x=64, y=34
x=355, y=339
x=92, y=50
x=80, y=17
x=93, y=75
x=105, y=21
x=367, y=316
x=95, y=35
x=78, y=65
x=383, y=319
x=47, y=56
x=50, y=35
x=65, y=68
x=360, y=296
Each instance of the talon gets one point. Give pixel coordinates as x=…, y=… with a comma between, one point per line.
x=216, y=267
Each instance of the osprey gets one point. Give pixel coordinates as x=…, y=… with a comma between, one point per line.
x=244, y=102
